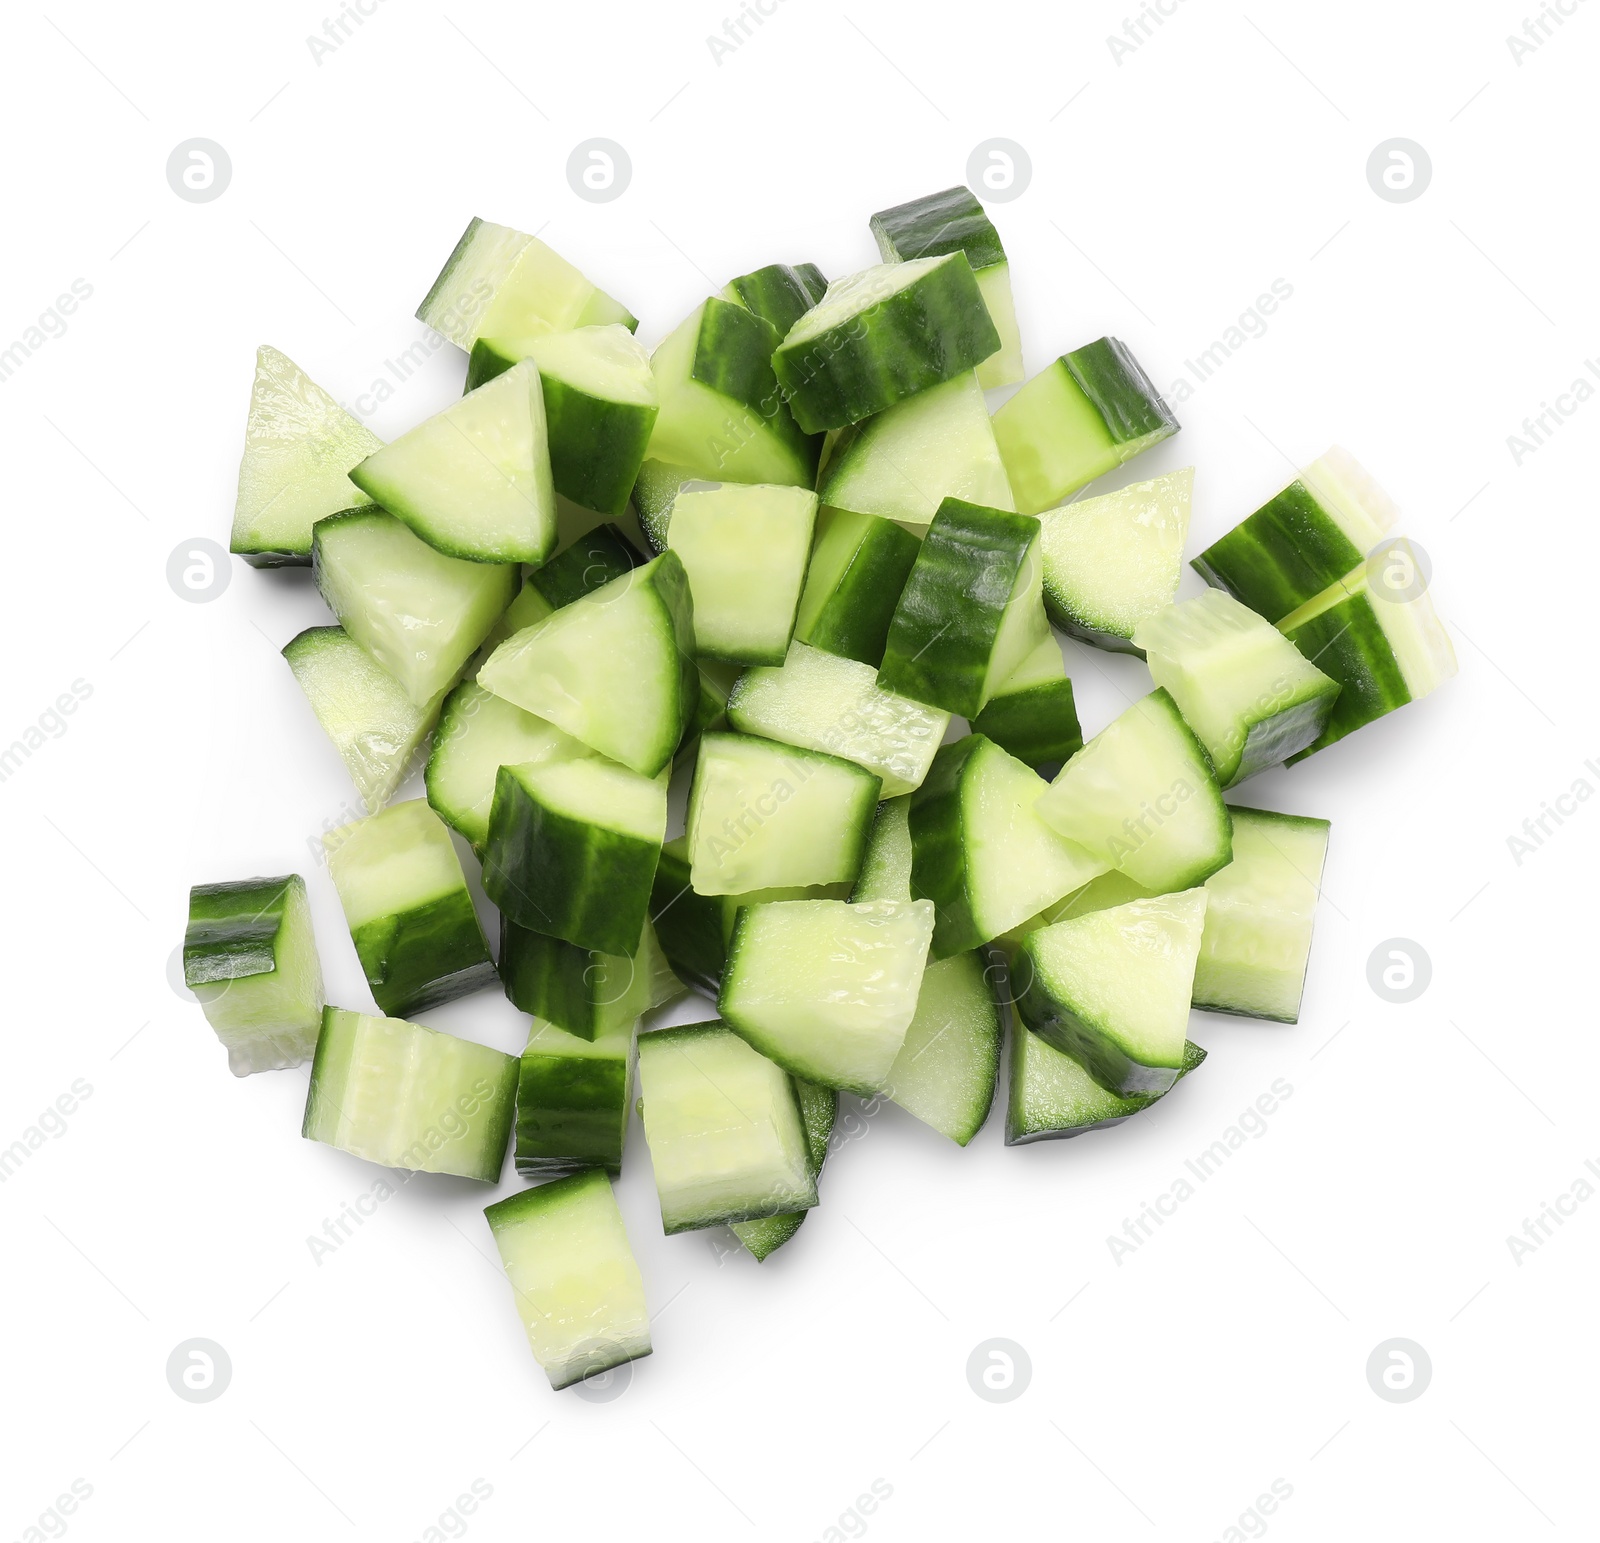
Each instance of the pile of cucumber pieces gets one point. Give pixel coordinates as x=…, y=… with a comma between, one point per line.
x=779, y=555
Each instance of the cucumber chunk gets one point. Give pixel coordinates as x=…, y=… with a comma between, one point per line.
x=1242, y=686
x=827, y=989
x=818, y=701
x=1033, y=715
x=1052, y=1097
x=724, y=1129
x=251, y=960
x=1141, y=797
x=583, y=992
x=299, y=446
x=1110, y=562
x=883, y=335
x=573, y=1100
x=410, y=1097
x=763, y=815
x=744, y=548
x=575, y=1279
x=614, y=669
x=886, y=866
x=979, y=849
x=722, y=415
x=590, y=563
x=819, y=1108
x=409, y=912
x=1084, y=415
x=654, y=492
x=1111, y=989
x=419, y=613
x=859, y=566
x=1099, y=894
x=529, y=606
x=376, y=728
x=971, y=610
x=946, y=1069
x=572, y=849
x=1259, y=914
x=904, y=462
x=778, y=294
x=1302, y=539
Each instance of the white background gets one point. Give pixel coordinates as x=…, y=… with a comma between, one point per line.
x=1168, y=191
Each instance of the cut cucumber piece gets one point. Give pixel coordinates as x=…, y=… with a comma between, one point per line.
x=614, y=669
x=1086, y=414
x=654, y=491
x=819, y=701
x=409, y=912
x=763, y=815
x=827, y=989
x=954, y=221
x=1383, y=652
x=745, y=549
x=299, y=446
x=502, y=284
x=724, y=1129
x=1110, y=562
x=529, y=606
x=778, y=294
x=1259, y=914
x=722, y=415
x=419, y=613
x=1033, y=715
x=250, y=958
x=970, y=612
x=980, y=851
x=1240, y=684
x=575, y=1279
x=572, y=849
x=573, y=1100
x=376, y=728
x=819, y=1108
x=579, y=990
x=886, y=867
x=1099, y=894
x=590, y=563
x=945, y=1072
x=883, y=335
x=859, y=566
x=410, y=1097
x=1141, y=797
x=1053, y=1097
x=904, y=462
x=1303, y=539
x=1112, y=989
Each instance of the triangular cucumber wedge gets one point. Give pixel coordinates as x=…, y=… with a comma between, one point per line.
x=1111, y=989
x=615, y=669
x=1033, y=715
x=1052, y=1097
x=859, y=566
x=1111, y=561
x=819, y=1108
x=299, y=447
x=1142, y=797
x=474, y=481
x=778, y=294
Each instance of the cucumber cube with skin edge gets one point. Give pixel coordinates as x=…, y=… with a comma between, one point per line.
x=410, y=1097
x=410, y=914
x=819, y=1108
x=583, y=992
x=724, y=1130
x=574, y=1097
x=825, y=988
x=1078, y=418
x=1052, y=1097
x=590, y=563
x=859, y=566
x=1111, y=989
x=882, y=335
x=299, y=447
x=419, y=613
x=778, y=294
x=614, y=669
x=575, y=1280
x=1033, y=715
x=886, y=866
x=970, y=612
x=250, y=958
x=376, y=728
x=1111, y=561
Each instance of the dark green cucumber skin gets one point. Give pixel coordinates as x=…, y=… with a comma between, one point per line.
x=1038, y=726
x=655, y=490
x=572, y=1112
x=582, y=883
x=592, y=560
x=733, y=355
x=233, y=929
x=1121, y=392
x=689, y=927
x=1108, y=642
x=949, y=221
x=553, y=980
x=1284, y=736
x=418, y=958
x=1347, y=643
x=1283, y=555
x=487, y=359
x=814, y=279
x=854, y=624
x=275, y=559
x=530, y=1202
x=930, y=333
x=819, y=1108
x=1193, y=1055
x=938, y=861
x=778, y=294
x=949, y=613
